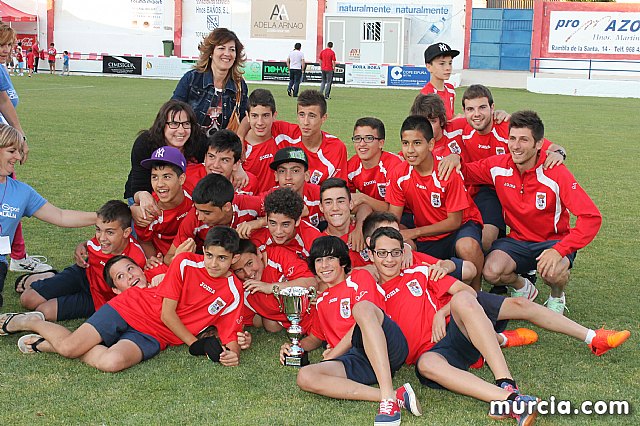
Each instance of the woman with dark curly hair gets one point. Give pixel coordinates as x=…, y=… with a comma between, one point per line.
x=175, y=125
x=215, y=88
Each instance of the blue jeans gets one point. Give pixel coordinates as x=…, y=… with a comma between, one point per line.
x=327, y=79
x=295, y=77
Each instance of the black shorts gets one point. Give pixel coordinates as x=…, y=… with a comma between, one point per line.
x=456, y=348
x=524, y=253
x=51, y=62
x=71, y=289
x=355, y=361
x=113, y=328
x=446, y=247
x=490, y=208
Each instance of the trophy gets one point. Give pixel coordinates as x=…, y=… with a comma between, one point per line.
x=293, y=301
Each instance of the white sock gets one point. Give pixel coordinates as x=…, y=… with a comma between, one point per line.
x=504, y=343
x=527, y=285
x=590, y=335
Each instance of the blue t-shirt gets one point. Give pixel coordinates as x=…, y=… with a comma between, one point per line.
x=65, y=59
x=7, y=86
x=18, y=200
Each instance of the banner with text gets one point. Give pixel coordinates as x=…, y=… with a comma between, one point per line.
x=408, y=76
x=147, y=14
x=275, y=71
x=129, y=65
x=279, y=19
x=597, y=32
x=252, y=71
x=199, y=18
x=366, y=75
x=166, y=67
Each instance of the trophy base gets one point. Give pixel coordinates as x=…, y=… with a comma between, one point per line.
x=296, y=360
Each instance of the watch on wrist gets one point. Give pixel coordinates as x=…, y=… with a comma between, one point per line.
x=275, y=289
x=561, y=152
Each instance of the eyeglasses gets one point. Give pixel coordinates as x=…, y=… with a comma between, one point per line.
x=175, y=124
x=382, y=254
x=366, y=138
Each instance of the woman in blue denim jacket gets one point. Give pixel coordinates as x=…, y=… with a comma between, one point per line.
x=211, y=88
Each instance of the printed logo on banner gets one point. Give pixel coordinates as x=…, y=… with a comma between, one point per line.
x=213, y=21
x=408, y=76
x=122, y=65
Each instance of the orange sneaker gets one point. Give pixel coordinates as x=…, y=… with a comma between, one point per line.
x=608, y=339
x=478, y=364
x=520, y=337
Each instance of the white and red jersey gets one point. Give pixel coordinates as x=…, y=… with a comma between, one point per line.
x=202, y=301
x=373, y=181
x=536, y=203
x=330, y=160
x=196, y=171
x=101, y=292
x=477, y=146
x=311, y=198
x=422, y=259
x=430, y=199
x=282, y=265
x=357, y=258
x=411, y=300
x=334, y=306
x=52, y=52
x=258, y=159
x=448, y=96
x=300, y=244
x=245, y=209
x=164, y=228
x=449, y=143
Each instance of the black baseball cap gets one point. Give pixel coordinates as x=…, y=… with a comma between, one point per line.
x=289, y=154
x=438, y=49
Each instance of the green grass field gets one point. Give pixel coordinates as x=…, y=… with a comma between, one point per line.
x=80, y=132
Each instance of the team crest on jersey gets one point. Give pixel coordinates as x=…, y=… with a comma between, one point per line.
x=382, y=189
x=541, y=200
x=435, y=199
x=345, y=308
x=414, y=288
x=364, y=254
x=314, y=219
x=315, y=177
x=453, y=147
x=500, y=150
x=217, y=306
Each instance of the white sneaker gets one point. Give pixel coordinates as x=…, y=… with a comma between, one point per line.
x=557, y=304
x=529, y=291
x=30, y=264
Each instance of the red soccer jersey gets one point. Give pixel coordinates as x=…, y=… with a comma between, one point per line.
x=52, y=53
x=164, y=228
x=196, y=171
x=245, y=208
x=373, y=181
x=330, y=160
x=334, y=306
x=300, y=244
x=311, y=198
x=448, y=96
x=536, y=203
x=357, y=258
x=429, y=198
x=257, y=161
x=449, y=143
x=412, y=299
x=282, y=265
x=101, y=293
x=327, y=57
x=202, y=301
x=477, y=146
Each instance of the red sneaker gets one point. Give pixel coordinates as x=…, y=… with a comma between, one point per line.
x=520, y=337
x=608, y=339
x=478, y=364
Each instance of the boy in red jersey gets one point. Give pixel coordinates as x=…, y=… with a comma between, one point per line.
x=215, y=203
x=259, y=144
x=336, y=205
x=447, y=221
x=442, y=318
x=364, y=346
x=80, y=290
x=198, y=291
x=283, y=209
x=223, y=157
x=168, y=167
x=536, y=204
x=369, y=167
x=264, y=272
x=438, y=59
x=327, y=154
x=446, y=141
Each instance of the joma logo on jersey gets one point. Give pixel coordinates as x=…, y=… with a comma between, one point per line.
x=509, y=185
x=264, y=157
x=391, y=293
x=420, y=186
x=206, y=287
x=484, y=146
x=369, y=182
x=335, y=299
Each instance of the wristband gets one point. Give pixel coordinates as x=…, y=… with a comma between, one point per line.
x=561, y=152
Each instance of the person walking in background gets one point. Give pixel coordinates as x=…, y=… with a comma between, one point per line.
x=36, y=56
x=65, y=63
x=30, y=61
x=327, y=65
x=295, y=62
